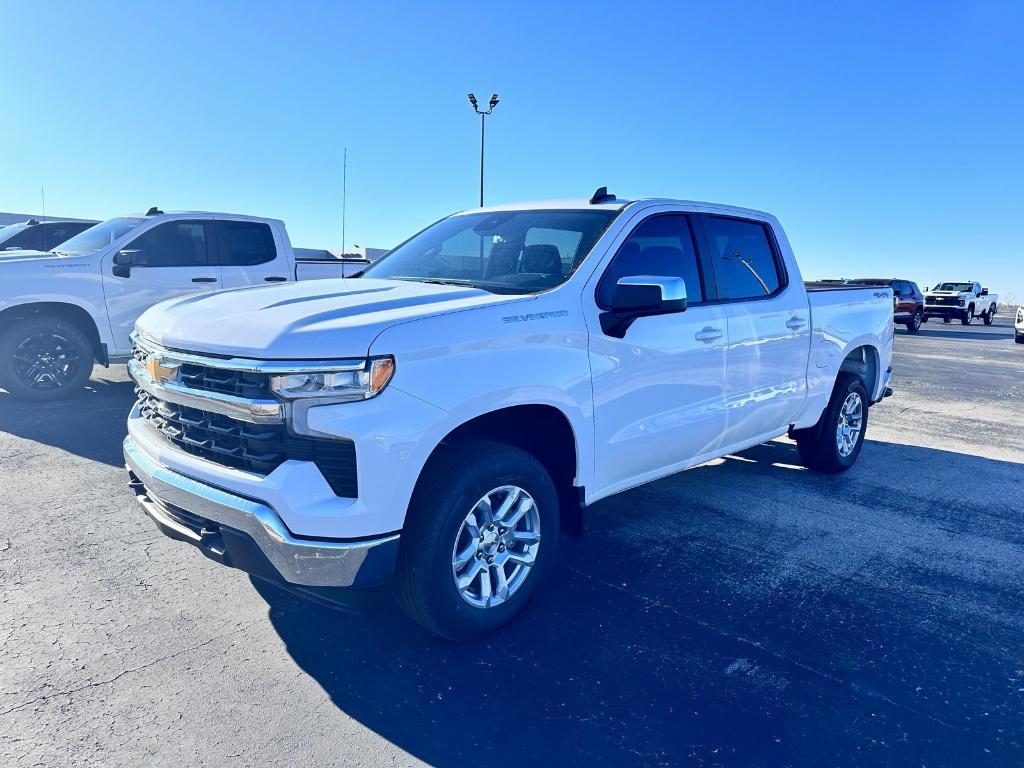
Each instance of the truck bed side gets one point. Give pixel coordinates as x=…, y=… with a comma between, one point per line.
x=852, y=329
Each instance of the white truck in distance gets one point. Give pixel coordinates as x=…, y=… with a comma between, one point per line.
x=964, y=301
x=63, y=310
x=435, y=422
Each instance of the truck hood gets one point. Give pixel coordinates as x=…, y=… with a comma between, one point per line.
x=6, y=256
x=311, y=320
x=30, y=262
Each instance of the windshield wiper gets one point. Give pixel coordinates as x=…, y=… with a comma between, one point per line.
x=437, y=281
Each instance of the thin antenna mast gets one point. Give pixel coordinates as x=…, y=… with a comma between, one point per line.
x=42, y=194
x=344, y=198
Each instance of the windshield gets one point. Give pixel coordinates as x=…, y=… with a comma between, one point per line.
x=6, y=233
x=100, y=236
x=501, y=252
x=958, y=287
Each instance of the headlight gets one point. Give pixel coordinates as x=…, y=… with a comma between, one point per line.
x=359, y=384
x=961, y=302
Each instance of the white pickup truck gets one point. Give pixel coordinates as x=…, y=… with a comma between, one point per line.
x=61, y=310
x=435, y=422
x=964, y=301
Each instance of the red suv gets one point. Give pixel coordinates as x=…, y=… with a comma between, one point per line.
x=907, y=300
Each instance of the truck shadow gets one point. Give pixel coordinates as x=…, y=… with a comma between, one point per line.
x=701, y=619
x=90, y=423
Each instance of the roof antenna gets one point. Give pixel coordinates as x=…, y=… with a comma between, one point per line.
x=42, y=194
x=154, y=211
x=601, y=196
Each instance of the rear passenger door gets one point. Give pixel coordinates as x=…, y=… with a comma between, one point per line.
x=249, y=254
x=768, y=323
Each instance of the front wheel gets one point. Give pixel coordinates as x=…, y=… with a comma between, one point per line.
x=43, y=358
x=967, y=316
x=834, y=443
x=1018, y=337
x=480, y=536
x=914, y=324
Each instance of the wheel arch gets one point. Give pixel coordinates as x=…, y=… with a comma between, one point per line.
x=863, y=362
x=542, y=430
x=72, y=314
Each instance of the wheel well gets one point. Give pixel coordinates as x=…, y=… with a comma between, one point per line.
x=863, y=362
x=542, y=431
x=68, y=313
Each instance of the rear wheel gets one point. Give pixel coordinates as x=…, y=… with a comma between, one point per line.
x=987, y=317
x=835, y=442
x=44, y=358
x=1018, y=337
x=914, y=324
x=479, y=539
x=945, y=319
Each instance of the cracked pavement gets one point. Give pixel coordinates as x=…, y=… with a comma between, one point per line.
x=747, y=612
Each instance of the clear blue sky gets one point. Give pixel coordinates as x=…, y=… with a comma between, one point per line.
x=887, y=137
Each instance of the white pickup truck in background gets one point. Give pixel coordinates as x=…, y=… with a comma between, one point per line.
x=63, y=310
x=434, y=423
x=964, y=301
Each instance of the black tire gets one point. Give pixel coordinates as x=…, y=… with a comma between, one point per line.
x=987, y=317
x=945, y=319
x=67, y=365
x=450, y=487
x=924, y=319
x=1018, y=337
x=914, y=324
x=967, y=317
x=818, y=446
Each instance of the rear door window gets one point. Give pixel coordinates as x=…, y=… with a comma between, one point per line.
x=746, y=264
x=246, y=243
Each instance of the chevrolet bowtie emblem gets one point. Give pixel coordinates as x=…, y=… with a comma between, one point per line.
x=159, y=371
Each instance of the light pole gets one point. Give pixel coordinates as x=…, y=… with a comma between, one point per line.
x=483, y=117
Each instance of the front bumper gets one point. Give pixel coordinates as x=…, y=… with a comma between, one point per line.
x=249, y=535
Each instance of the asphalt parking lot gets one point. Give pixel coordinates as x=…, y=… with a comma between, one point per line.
x=747, y=612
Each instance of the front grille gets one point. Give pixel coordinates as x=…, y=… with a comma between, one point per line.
x=258, y=448
x=254, y=386
x=944, y=301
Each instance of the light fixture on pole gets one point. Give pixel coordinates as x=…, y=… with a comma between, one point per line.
x=483, y=117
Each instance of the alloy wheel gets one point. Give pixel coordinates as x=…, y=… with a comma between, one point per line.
x=851, y=422
x=496, y=546
x=46, y=360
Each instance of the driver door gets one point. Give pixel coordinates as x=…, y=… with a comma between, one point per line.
x=172, y=259
x=659, y=391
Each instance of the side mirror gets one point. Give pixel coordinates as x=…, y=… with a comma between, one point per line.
x=642, y=296
x=123, y=263
x=984, y=291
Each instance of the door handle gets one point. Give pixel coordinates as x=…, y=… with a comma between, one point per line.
x=204, y=279
x=708, y=334
x=275, y=279
x=796, y=323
